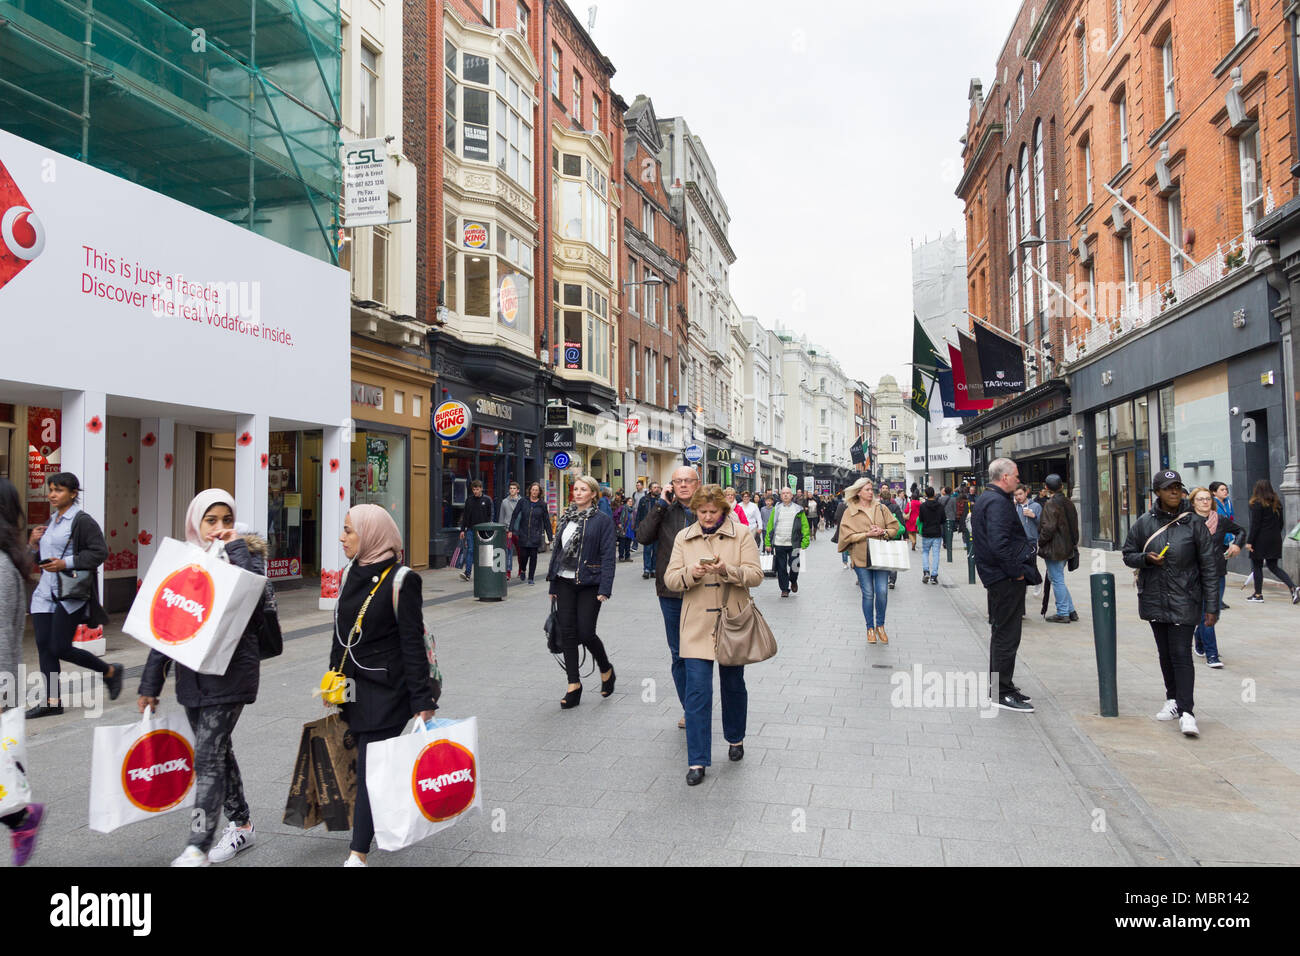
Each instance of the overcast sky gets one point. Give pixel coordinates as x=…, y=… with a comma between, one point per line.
x=834, y=134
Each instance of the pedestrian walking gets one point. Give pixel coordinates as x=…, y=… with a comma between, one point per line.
x=1264, y=540
x=912, y=513
x=477, y=510
x=765, y=511
x=1058, y=544
x=930, y=521
x=624, y=526
x=213, y=702
x=810, y=512
x=864, y=518
x=752, y=517
x=382, y=654
x=660, y=527
x=648, y=551
x=1173, y=553
x=891, y=502
x=603, y=503
x=1223, y=505
x=786, y=534
x=70, y=541
x=949, y=513
x=582, y=579
x=733, y=508
x=1205, y=641
x=963, y=516
x=15, y=567
x=506, y=513
x=714, y=564
x=838, y=517
x=1004, y=558
x=1029, y=512
x=531, y=524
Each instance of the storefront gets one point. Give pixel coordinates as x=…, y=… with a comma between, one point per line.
x=600, y=450
x=655, y=443
x=1033, y=429
x=744, y=467
x=949, y=466
x=771, y=469
x=718, y=463
x=1200, y=392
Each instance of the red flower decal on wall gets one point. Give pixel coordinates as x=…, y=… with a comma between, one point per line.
x=265, y=459
x=130, y=459
x=341, y=492
x=246, y=439
x=94, y=425
x=144, y=537
x=148, y=440
x=113, y=533
x=167, y=461
x=334, y=464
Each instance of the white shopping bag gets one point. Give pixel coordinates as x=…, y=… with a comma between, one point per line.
x=889, y=555
x=15, y=791
x=767, y=563
x=141, y=770
x=193, y=606
x=423, y=780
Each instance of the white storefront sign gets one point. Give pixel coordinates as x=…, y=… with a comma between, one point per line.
x=365, y=186
x=941, y=459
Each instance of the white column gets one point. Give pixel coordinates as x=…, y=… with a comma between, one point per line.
x=252, y=482
x=336, y=465
x=84, y=451
x=183, y=476
x=157, y=461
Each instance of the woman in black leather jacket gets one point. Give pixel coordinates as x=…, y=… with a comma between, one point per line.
x=379, y=646
x=1173, y=552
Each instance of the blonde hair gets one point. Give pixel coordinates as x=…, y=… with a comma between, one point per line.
x=710, y=495
x=592, y=484
x=1196, y=491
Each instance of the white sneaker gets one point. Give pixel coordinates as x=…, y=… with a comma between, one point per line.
x=354, y=860
x=1038, y=590
x=1187, y=724
x=192, y=856
x=1169, y=712
x=231, y=842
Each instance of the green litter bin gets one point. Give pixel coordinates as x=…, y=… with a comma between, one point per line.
x=489, y=562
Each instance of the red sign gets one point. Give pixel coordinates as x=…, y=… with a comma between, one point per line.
x=44, y=427
x=633, y=427
x=281, y=568
x=443, y=780
x=22, y=237
x=158, y=771
x=182, y=605
x=451, y=420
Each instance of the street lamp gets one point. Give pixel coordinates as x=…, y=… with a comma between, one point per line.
x=1033, y=242
x=653, y=280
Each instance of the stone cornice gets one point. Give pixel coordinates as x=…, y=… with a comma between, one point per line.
x=706, y=214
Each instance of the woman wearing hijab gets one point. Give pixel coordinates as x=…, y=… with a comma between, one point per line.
x=379, y=651
x=582, y=577
x=213, y=702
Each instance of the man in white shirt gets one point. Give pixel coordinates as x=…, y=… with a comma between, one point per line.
x=786, y=532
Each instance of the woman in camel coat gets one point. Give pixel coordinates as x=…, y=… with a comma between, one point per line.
x=865, y=517
x=713, y=559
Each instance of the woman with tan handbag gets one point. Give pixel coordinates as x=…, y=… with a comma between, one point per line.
x=866, y=519
x=714, y=564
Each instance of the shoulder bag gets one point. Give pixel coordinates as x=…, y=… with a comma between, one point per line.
x=74, y=585
x=1159, y=532
x=333, y=686
x=742, y=638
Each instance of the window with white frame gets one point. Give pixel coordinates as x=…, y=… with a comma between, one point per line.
x=1040, y=217
x=1092, y=289
x=1013, y=282
x=490, y=11
x=368, y=88
x=1116, y=20
x=521, y=19
x=1252, y=194
x=648, y=219
x=651, y=378
x=1087, y=170
x=1081, y=44
x=495, y=113
x=1006, y=118
x=1167, y=68
x=893, y=445
x=1130, y=280
x=668, y=373
x=1121, y=121
x=634, y=356
x=582, y=329
x=555, y=70
x=893, y=424
x=1020, y=94
x=651, y=298
x=1174, y=210
x=379, y=264
x=488, y=271
x=577, y=96
x=595, y=111
x=581, y=207
x=634, y=297
x=1240, y=19
x=1037, y=71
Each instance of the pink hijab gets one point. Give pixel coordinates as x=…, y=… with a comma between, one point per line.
x=377, y=534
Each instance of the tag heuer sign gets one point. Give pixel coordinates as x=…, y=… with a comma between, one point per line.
x=557, y=416
x=558, y=439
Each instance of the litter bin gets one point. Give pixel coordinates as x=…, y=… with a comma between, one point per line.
x=490, y=562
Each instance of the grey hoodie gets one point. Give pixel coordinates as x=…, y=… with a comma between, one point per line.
x=13, y=612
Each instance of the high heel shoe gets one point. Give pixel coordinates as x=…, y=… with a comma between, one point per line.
x=607, y=686
x=572, y=699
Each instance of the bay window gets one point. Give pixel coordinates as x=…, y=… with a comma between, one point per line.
x=581, y=209
x=488, y=273
x=488, y=114
x=582, y=329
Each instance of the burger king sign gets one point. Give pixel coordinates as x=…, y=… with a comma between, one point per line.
x=451, y=420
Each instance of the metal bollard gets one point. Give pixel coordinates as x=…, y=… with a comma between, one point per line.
x=970, y=566
x=1103, y=637
x=947, y=538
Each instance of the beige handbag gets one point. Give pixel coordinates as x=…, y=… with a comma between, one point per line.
x=742, y=638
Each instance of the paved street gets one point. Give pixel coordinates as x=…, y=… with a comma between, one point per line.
x=834, y=774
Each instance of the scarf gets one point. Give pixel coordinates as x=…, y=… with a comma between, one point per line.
x=574, y=547
x=202, y=502
x=377, y=534
x=1212, y=521
x=715, y=528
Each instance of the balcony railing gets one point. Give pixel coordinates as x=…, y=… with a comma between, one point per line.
x=1215, y=268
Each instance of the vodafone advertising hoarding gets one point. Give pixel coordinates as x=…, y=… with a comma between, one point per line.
x=109, y=287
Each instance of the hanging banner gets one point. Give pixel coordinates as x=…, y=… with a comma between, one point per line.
x=963, y=402
x=1002, y=363
x=970, y=359
x=948, y=394
x=365, y=187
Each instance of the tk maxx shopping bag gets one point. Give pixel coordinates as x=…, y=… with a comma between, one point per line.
x=15, y=791
x=141, y=770
x=193, y=606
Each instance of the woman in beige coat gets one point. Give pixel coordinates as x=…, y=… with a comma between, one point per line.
x=713, y=560
x=864, y=518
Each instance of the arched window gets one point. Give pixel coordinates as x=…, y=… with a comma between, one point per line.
x=1013, y=236
x=1026, y=227
x=1040, y=219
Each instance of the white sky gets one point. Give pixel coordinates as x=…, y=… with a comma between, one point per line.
x=834, y=135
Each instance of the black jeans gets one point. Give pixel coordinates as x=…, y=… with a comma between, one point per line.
x=787, y=567
x=1174, y=644
x=54, y=632
x=363, y=822
x=624, y=548
x=1006, y=605
x=576, y=610
x=1257, y=566
x=218, y=784
x=527, y=562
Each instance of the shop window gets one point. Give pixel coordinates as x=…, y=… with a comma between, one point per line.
x=478, y=285
x=379, y=474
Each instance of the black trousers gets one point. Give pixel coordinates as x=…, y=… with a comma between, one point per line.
x=1174, y=645
x=624, y=548
x=54, y=633
x=363, y=822
x=1006, y=605
x=1257, y=566
x=787, y=567
x=218, y=784
x=576, y=610
x=527, y=562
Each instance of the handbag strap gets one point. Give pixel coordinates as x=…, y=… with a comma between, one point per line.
x=354, y=635
x=1164, y=529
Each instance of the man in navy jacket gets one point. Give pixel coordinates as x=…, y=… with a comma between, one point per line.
x=1003, y=558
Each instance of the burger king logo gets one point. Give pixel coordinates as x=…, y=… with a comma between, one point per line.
x=451, y=420
x=158, y=771
x=182, y=605
x=476, y=235
x=443, y=780
x=508, y=300
x=22, y=235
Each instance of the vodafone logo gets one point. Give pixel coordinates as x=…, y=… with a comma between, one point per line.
x=443, y=780
x=22, y=235
x=158, y=771
x=182, y=605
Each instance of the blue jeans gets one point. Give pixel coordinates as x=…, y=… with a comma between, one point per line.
x=648, y=557
x=1056, y=574
x=1206, y=639
x=672, y=612
x=510, y=552
x=874, y=585
x=699, y=708
x=930, y=554
x=467, y=553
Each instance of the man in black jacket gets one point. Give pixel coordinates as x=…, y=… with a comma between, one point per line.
x=1003, y=558
x=663, y=520
x=642, y=509
x=477, y=510
x=1058, y=542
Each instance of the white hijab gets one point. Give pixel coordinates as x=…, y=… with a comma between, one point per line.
x=198, y=508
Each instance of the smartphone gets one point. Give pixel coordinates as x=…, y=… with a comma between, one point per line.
x=710, y=560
